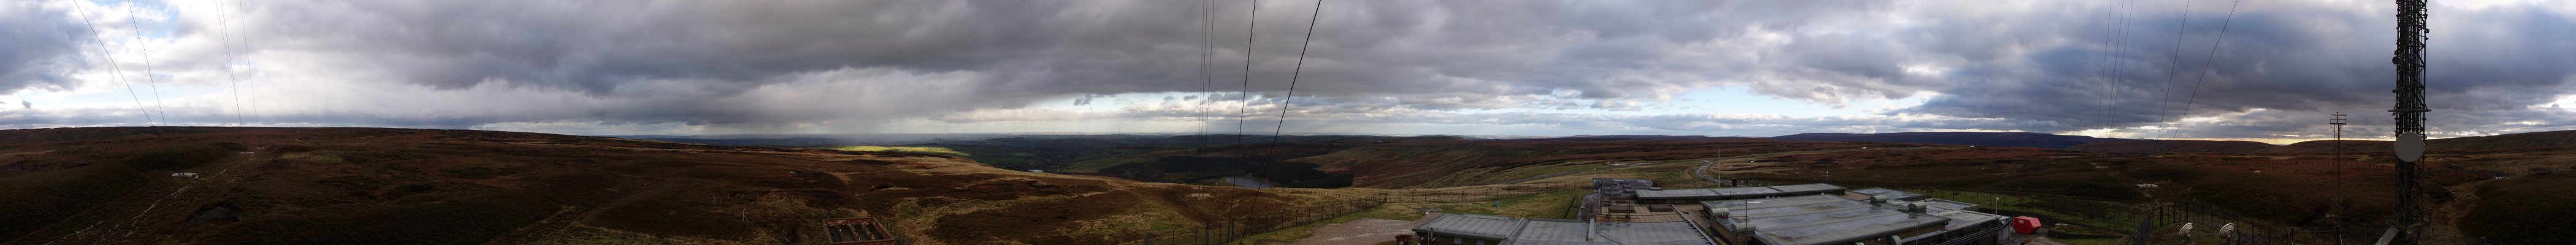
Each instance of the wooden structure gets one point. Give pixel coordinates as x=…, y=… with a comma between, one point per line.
x=856, y=231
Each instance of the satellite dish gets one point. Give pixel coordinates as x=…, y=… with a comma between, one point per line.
x=2410, y=147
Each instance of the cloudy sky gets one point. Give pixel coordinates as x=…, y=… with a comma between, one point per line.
x=2190, y=69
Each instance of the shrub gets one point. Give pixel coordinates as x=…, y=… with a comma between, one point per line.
x=474, y=171
x=291, y=148
x=2524, y=210
x=671, y=218
x=175, y=157
x=412, y=189
x=230, y=146
x=453, y=219
x=39, y=199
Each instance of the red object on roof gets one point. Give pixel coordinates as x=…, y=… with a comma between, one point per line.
x=2025, y=224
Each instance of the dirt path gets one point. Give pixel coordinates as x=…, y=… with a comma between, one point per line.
x=1364, y=231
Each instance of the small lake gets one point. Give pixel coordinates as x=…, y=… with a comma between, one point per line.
x=1248, y=182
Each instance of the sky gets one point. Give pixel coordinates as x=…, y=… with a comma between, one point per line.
x=2264, y=70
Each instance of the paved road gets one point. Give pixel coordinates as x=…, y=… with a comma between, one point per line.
x=1703, y=168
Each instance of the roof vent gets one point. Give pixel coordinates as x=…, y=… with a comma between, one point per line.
x=1877, y=199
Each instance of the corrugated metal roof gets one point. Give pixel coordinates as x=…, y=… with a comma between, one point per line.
x=1737, y=191
x=1569, y=232
x=1890, y=193
x=1779, y=206
x=1823, y=219
x=1959, y=218
x=1839, y=226
x=1484, y=226
x=1938, y=203
x=1807, y=188
x=1554, y=232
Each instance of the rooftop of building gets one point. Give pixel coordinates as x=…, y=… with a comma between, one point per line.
x=1737, y=192
x=1473, y=225
x=1622, y=183
x=1958, y=213
x=1891, y=194
x=1573, y=232
x=1830, y=219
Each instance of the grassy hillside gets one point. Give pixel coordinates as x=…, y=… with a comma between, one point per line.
x=411, y=186
x=2542, y=141
x=1466, y=163
x=2527, y=210
x=2172, y=146
x=979, y=154
x=2001, y=139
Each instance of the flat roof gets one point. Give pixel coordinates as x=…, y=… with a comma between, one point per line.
x=1482, y=226
x=1839, y=226
x=1572, y=232
x=1737, y=191
x=1890, y=193
x=1959, y=217
x=1948, y=204
x=1822, y=219
x=1808, y=188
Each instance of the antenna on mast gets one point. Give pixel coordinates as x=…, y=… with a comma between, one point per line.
x=2410, y=119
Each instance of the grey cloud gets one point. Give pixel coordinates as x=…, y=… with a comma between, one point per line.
x=2304, y=57
x=37, y=48
x=2047, y=66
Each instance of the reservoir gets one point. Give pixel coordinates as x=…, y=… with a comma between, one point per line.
x=1248, y=182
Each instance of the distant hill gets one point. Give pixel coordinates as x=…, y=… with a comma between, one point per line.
x=2038, y=140
x=2329, y=145
x=1638, y=136
x=2493, y=142
x=2166, y=146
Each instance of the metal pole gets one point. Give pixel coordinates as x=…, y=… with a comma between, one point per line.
x=2338, y=166
x=2409, y=112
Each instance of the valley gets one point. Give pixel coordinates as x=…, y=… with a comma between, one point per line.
x=366, y=185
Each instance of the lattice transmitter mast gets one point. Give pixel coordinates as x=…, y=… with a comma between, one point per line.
x=2410, y=118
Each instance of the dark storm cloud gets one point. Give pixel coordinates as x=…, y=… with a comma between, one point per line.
x=2282, y=56
x=36, y=47
x=2049, y=66
x=1441, y=55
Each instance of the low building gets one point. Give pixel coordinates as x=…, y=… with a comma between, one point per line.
x=1620, y=189
x=1472, y=229
x=1833, y=219
x=1686, y=196
x=1468, y=229
x=1891, y=194
x=1573, y=232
